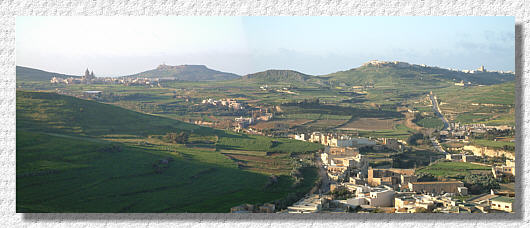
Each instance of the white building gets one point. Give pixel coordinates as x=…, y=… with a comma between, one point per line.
x=311, y=204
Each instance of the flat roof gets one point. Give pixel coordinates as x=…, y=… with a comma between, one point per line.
x=504, y=199
x=437, y=182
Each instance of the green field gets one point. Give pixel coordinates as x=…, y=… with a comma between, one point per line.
x=82, y=156
x=493, y=144
x=431, y=122
x=451, y=169
x=492, y=105
x=399, y=131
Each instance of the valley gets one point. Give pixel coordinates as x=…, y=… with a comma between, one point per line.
x=201, y=140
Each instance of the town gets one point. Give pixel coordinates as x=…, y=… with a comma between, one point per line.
x=351, y=185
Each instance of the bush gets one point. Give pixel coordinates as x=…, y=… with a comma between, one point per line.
x=478, y=184
x=180, y=138
x=412, y=140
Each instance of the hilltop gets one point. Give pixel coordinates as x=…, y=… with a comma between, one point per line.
x=282, y=76
x=186, y=73
x=381, y=72
x=277, y=76
x=31, y=74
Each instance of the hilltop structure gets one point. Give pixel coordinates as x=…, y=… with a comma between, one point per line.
x=89, y=76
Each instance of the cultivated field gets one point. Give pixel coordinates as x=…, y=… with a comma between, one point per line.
x=369, y=124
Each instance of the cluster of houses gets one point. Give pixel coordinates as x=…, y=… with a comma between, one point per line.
x=230, y=103
x=399, y=64
x=243, y=122
x=506, y=170
x=460, y=157
x=398, y=191
x=251, y=208
x=341, y=161
x=390, y=190
x=90, y=78
x=342, y=140
x=420, y=197
x=335, y=140
x=461, y=132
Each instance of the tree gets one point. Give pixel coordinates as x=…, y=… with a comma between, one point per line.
x=412, y=140
x=478, y=184
x=181, y=138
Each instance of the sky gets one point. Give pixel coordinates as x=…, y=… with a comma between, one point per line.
x=115, y=46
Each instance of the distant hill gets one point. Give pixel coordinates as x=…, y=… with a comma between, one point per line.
x=282, y=76
x=31, y=74
x=393, y=73
x=186, y=73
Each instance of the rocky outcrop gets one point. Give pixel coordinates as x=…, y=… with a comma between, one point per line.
x=489, y=152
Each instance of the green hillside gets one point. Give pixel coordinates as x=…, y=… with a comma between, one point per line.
x=52, y=112
x=282, y=76
x=82, y=156
x=186, y=73
x=30, y=74
x=492, y=105
x=390, y=74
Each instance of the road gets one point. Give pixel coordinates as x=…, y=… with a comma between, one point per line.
x=438, y=112
x=437, y=146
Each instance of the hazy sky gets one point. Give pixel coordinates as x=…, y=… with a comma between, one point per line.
x=314, y=45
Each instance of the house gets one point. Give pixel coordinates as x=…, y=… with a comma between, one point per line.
x=462, y=191
x=301, y=137
x=372, y=196
x=390, y=177
x=453, y=157
x=267, y=208
x=413, y=203
x=502, y=203
x=381, y=198
x=436, y=187
x=392, y=143
x=507, y=170
x=311, y=204
x=243, y=208
x=468, y=158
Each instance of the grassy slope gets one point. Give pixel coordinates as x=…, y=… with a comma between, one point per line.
x=63, y=164
x=460, y=100
x=187, y=73
x=30, y=74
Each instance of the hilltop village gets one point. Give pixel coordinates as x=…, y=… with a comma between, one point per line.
x=89, y=78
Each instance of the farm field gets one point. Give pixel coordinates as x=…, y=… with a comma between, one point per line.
x=492, y=105
x=369, y=124
x=399, y=131
x=493, y=144
x=452, y=169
